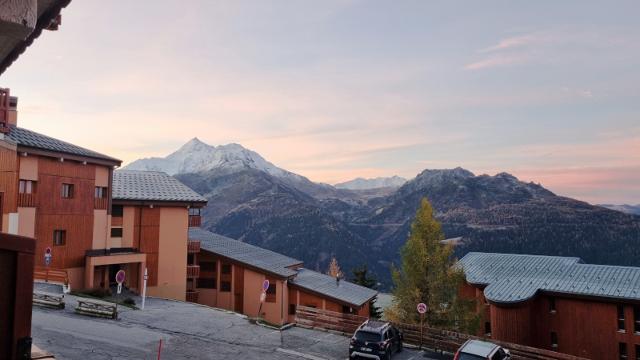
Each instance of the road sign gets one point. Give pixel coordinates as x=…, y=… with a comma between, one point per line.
x=265, y=285
x=47, y=251
x=422, y=308
x=120, y=276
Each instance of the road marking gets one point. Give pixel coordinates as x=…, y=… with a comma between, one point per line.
x=299, y=354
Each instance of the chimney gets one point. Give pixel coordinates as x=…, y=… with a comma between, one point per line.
x=8, y=112
x=337, y=280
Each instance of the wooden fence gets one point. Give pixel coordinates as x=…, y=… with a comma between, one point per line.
x=431, y=337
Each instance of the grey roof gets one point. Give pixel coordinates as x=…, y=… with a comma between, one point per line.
x=513, y=278
x=324, y=284
x=151, y=186
x=477, y=347
x=257, y=257
x=32, y=139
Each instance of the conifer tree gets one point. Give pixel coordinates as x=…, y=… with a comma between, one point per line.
x=428, y=274
x=362, y=277
x=334, y=268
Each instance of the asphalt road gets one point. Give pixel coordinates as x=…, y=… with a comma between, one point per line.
x=188, y=331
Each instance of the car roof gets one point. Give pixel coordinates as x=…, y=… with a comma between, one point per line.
x=374, y=326
x=477, y=347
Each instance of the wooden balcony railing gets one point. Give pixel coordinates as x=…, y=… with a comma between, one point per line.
x=116, y=221
x=100, y=203
x=195, y=220
x=192, y=296
x=193, y=246
x=193, y=271
x=26, y=200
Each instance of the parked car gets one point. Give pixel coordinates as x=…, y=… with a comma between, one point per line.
x=375, y=340
x=481, y=350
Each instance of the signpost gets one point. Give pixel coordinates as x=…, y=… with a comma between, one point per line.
x=422, y=309
x=120, y=276
x=263, y=295
x=144, y=287
x=47, y=262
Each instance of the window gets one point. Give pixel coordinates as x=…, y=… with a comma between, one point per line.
x=194, y=211
x=67, y=191
x=552, y=305
x=636, y=321
x=117, y=210
x=622, y=351
x=554, y=340
x=621, y=326
x=225, y=286
x=499, y=355
x=226, y=268
x=190, y=259
x=487, y=328
x=292, y=309
x=208, y=266
x=101, y=192
x=59, y=237
x=116, y=232
x=347, y=309
x=207, y=283
x=27, y=187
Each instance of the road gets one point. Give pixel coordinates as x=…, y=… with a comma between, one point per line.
x=188, y=331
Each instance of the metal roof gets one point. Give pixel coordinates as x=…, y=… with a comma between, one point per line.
x=239, y=251
x=477, y=347
x=151, y=186
x=32, y=139
x=511, y=278
x=326, y=285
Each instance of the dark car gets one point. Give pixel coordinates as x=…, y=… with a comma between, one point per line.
x=375, y=340
x=481, y=350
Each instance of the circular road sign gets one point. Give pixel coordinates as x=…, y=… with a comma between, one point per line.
x=47, y=251
x=422, y=308
x=120, y=275
x=265, y=285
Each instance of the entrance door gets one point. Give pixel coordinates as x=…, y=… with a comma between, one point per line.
x=113, y=270
x=238, y=289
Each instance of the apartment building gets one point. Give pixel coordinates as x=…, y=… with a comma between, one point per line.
x=151, y=213
x=231, y=276
x=557, y=303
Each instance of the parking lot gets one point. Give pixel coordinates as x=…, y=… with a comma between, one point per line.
x=187, y=331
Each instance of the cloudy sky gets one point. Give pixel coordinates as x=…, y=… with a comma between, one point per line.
x=546, y=90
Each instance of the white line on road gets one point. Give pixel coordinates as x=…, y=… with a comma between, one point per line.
x=299, y=354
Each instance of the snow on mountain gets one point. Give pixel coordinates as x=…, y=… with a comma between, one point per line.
x=627, y=209
x=366, y=184
x=195, y=156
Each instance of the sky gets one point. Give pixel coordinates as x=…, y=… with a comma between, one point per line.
x=548, y=91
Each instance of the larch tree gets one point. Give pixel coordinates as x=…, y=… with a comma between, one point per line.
x=334, y=269
x=428, y=274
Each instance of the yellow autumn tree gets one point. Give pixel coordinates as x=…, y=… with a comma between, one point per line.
x=334, y=269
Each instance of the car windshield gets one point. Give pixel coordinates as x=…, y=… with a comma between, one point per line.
x=465, y=356
x=367, y=336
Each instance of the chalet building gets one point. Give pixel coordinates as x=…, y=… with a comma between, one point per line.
x=151, y=213
x=557, y=303
x=231, y=274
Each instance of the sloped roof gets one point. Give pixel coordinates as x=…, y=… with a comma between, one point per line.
x=151, y=186
x=239, y=251
x=511, y=278
x=343, y=291
x=32, y=139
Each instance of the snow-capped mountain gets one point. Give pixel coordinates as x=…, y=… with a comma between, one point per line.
x=376, y=183
x=195, y=156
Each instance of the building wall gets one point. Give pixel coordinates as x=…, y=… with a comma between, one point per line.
x=8, y=182
x=172, y=254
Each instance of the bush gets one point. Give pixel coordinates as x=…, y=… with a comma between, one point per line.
x=129, y=301
x=97, y=292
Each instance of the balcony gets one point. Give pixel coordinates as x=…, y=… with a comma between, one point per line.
x=193, y=271
x=195, y=220
x=193, y=246
x=26, y=200
x=100, y=203
x=192, y=296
